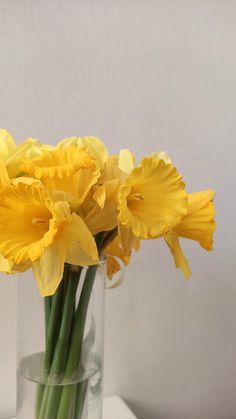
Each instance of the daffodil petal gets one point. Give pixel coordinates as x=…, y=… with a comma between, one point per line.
x=71, y=170
x=4, y=177
x=5, y=264
x=112, y=171
x=103, y=216
x=93, y=144
x=23, y=147
x=96, y=147
x=58, y=163
x=136, y=244
x=181, y=262
x=115, y=249
x=25, y=150
x=162, y=155
x=7, y=144
x=102, y=219
x=48, y=270
x=113, y=266
x=99, y=196
x=86, y=179
x=127, y=238
x=126, y=161
x=81, y=246
x=199, y=222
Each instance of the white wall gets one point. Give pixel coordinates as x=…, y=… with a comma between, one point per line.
x=147, y=75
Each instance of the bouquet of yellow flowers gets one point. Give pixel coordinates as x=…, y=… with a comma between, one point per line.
x=66, y=207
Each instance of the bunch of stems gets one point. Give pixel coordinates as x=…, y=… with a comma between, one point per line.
x=64, y=330
x=62, y=396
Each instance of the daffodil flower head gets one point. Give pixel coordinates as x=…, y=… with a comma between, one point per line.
x=69, y=169
x=198, y=225
x=55, y=200
x=152, y=199
x=35, y=229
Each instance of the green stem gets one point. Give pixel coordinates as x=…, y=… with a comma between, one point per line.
x=52, y=392
x=52, y=327
x=40, y=387
x=61, y=327
x=60, y=355
x=81, y=392
x=47, y=311
x=51, y=305
x=76, y=341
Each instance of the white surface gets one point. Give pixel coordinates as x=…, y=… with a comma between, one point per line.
x=115, y=408
x=146, y=75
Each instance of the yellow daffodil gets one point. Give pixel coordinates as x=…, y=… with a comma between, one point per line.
x=34, y=229
x=199, y=222
x=70, y=170
x=197, y=225
x=54, y=200
x=93, y=144
x=13, y=154
x=102, y=215
x=152, y=199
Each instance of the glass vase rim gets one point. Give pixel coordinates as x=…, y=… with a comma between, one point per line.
x=101, y=262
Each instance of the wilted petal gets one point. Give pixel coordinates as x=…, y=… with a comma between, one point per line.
x=181, y=262
x=113, y=266
x=127, y=239
x=116, y=249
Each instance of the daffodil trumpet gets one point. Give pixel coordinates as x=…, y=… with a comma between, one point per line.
x=63, y=209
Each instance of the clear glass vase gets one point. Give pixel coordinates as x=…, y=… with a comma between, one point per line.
x=60, y=346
